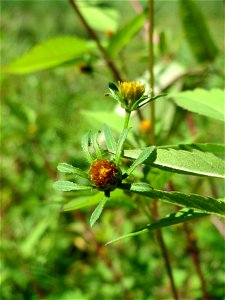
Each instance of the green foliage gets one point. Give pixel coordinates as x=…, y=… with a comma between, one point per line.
x=193, y=162
x=48, y=250
x=50, y=53
x=197, y=32
x=207, y=103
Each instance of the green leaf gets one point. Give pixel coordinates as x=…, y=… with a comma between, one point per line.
x=109, y=139
x=207, y=103
x=97, y=212
x=83, y=201
x=205, y=204
x=66, y=186
x=85, y=141
x=112, y=86
x=49, y=54
x=124, y=34
x=147, y=153
x=94, y=140
x=181, y=216
x=99, y=18
x=120, y=143
x=185, y=162
x=66, y=168
x=197, y=32
x=207, y=147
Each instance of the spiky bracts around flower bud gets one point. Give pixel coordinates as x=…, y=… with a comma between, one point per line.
x=131, y=91
x=105, y=175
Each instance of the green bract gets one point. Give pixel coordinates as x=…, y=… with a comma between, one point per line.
x=130, y=95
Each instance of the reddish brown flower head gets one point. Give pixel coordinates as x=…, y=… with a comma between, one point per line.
x=105, y=174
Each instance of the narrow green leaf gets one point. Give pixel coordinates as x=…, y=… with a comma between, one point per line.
x=124, y=34
x=120, y=143
x=109, y=139
x=185, y=162
x=112, y=86
x=83, y=201
x=181, y=216
x=148, y=153
x=94, y=140
x=205, y=204
x=97, y=212
x=197, y=32
x=49, y=54
x=66, y=186
x=85, y=143
x=129, y=235
x=207, y=103
x=66, y=168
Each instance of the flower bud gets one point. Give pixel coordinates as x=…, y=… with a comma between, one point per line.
x=105, y=175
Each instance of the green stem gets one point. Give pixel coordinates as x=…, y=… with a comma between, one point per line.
x=127, y=119
x=154, y=209
x=164, y=251
x=151, y=67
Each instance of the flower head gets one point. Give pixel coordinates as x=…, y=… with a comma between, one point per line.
x=131, y=91
x=105, y=174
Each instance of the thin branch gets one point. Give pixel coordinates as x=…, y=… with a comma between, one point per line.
x=151, y=66
x=195, y=254
x=164, y=251
x=94, y=36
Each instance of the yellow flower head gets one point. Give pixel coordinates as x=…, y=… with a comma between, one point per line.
x=131, y=91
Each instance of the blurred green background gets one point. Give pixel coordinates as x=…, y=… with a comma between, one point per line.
x=50, y=254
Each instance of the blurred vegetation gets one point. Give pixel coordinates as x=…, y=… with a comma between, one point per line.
x=49, y=254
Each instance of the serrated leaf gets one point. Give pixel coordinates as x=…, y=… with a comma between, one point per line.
x=147, y=153
x=66, y=186
x=185, y=162
x=181, y=216
x=205, y=204
x=207, y=103
x=109, y=139
x=97, y=212
x=67, y=168
x=124, y=34
x=207, y=147
x=49, y=54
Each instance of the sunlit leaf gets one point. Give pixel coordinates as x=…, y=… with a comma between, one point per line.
x=211, y=148
x=204, y=204
x=66, y=168
x=66, y=186
x=147, y=153
x=97, y=212
x=207, y=103
x=193, y=162
x=109, y=139
x=49, y=54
